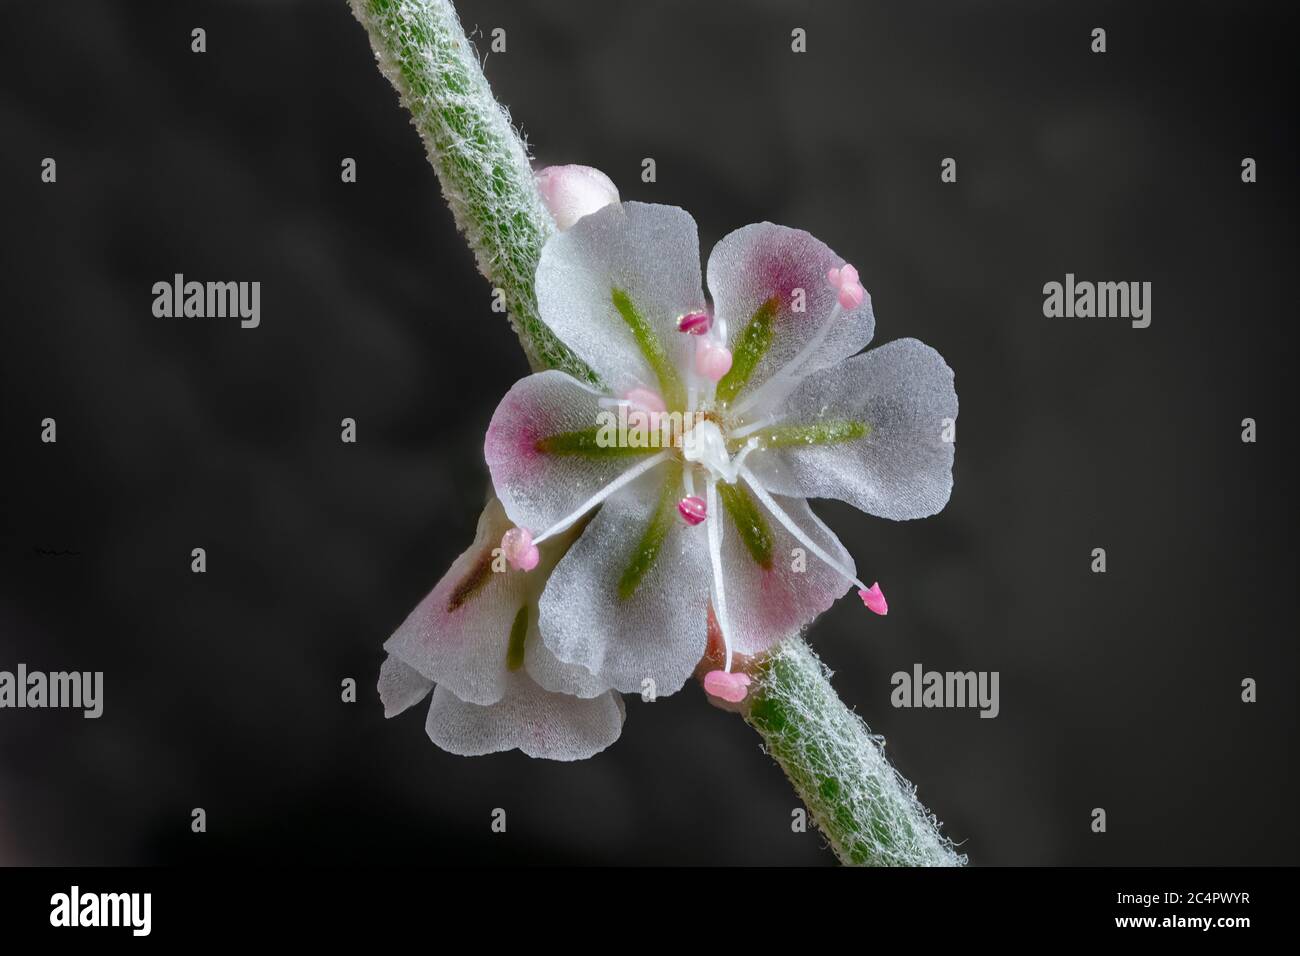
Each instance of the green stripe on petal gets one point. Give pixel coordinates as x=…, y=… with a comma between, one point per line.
x=518, y=633
x=749, y=521
x=670, y=385
x=830, y=432
x=591, y=443
x=647, y=548
x=749, y=351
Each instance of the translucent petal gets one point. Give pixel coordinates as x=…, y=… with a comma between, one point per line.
x=649, y=252
x=902, y=468
x=554, y=675
x=459, y=634
x=658, y=631
x=401, y=687
x=762, y=262
x=527, y=718
x=767, y=605
x=536, y=471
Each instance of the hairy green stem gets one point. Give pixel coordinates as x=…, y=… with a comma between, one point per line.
x=481, y=162
x=868, y=812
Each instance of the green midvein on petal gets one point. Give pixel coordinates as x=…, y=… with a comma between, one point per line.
x=749, y=351
x=829, y=432
x=647, y=548
x=749, y=521
x=670, y=385
x=518, y=633
x=588, y=443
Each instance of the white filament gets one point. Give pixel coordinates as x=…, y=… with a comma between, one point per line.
x=778, y=386
x=715, y=558
x=626, y=478
x=788, y=523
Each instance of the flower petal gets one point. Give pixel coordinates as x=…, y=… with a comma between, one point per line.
x=753, y=276
x=765, y=605
x=527, y=718
x=651, y=255
x=542, y=449
x=901, y=467
x=401, y=687
x=554, y=675
x=459, y=635
x=628, y=602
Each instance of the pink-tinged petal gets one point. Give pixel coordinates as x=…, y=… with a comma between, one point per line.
x=527, y=718
x=539, y=487
x=459, y=634
x=767, y=605
x=762, y=261
x=657, y=631
x=400, y=687
x=652, y=255
x=732, y=687
x=902, y=467
x=571, y=192
x=848, y=275
x=874, y=599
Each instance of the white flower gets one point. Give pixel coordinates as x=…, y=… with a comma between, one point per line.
x=762, y=402
x=475, y=636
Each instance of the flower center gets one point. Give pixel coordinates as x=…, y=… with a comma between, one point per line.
x=705, y=446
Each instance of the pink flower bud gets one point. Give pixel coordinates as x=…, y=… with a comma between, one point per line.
x=692, y=509
x=571, y=192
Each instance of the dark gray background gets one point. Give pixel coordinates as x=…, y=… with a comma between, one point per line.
x=1118, y=690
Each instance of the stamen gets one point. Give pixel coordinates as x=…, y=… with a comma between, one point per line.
x=845, y=280
x=756, y=425
x=726, y=685
x=695, y=323
x=739, y=460
x=712, y=360
x=874, y=599
x=692, y=509
x=645, y=400
x=788, y=523
x=632, y=474
x=646, y=408
x=715, y=558
x=781, y=383
x=850, y=296
x=519, y=549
